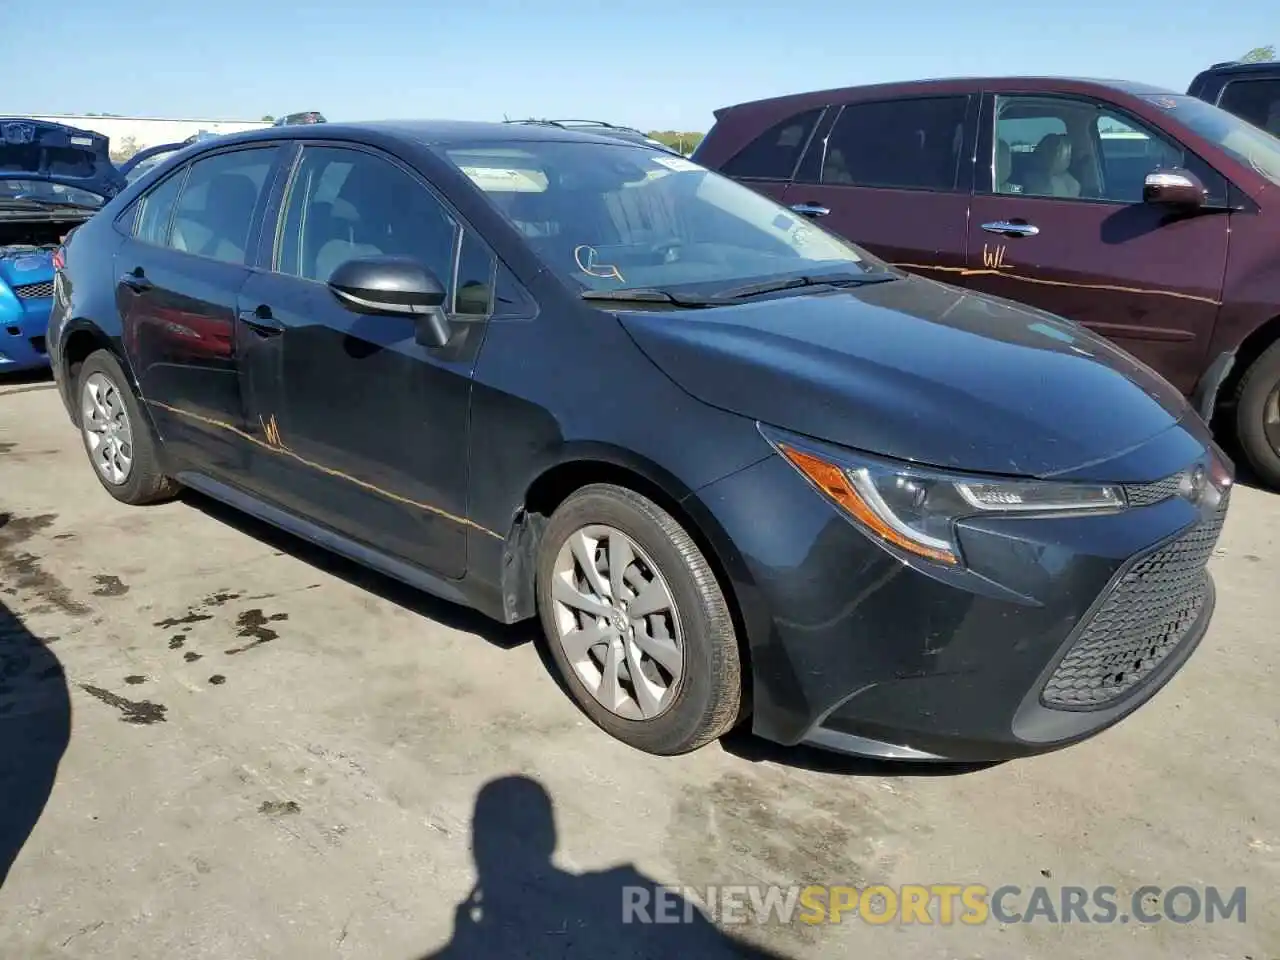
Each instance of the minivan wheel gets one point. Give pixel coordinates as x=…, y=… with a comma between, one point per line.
x=117, y=437
x=1258, y=416
x=636, y=622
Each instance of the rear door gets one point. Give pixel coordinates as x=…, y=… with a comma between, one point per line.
x=891, y=176
x=1058, y=222
x=179, y=273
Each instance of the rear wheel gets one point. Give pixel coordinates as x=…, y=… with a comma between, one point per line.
x=637, y=623
x=117, y=437
x=1258, y=416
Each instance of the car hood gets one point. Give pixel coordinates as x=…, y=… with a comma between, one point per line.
x=57, y=153
x=917, y=370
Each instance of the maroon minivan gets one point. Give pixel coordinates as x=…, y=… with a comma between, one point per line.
x=1149, y=216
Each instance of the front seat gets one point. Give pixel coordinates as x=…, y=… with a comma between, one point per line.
x=228, y=213
x=1049, y=173
x=1004, y=168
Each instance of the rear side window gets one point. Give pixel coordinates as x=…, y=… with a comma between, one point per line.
x=908, y=144
x=774, y=154
x=215, y=210
x=152, y=223
x=1257, y=101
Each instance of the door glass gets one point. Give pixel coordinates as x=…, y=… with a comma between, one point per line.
x=773, y=155
x=908, y=144
x=343, y=204
x=1129, y=153
x=152, y=224
x=1257, y=101
x=215, y=211
x=473, y=296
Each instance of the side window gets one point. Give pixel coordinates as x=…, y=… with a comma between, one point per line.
x=773, y=155
x=1129, y=153
x=345, y=203
x=473, y=291
x=214, y=214
x=1257, y=101
x=909, y=144
x=151, y=225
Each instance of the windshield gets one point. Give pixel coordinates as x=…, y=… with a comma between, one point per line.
x=612, y=217
x=46, y=192
x=1250, y=145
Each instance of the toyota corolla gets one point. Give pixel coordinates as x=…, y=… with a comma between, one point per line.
x=742, y=471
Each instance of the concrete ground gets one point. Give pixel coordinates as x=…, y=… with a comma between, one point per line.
x=217, y=742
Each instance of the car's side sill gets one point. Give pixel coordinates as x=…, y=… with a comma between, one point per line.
x=323, y=537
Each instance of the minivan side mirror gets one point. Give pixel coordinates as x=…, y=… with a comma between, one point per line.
x=395, y=286
x=1174, y=187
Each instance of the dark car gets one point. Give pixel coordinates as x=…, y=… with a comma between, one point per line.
x=1249, y=90
x=737, y=467
x=52, y=178
x=1148, y=216
x=306, y=116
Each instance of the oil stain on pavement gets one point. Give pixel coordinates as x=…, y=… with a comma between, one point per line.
x=253, y=624
x=139, y=712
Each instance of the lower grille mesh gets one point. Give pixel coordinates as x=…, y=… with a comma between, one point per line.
x=1140, y=623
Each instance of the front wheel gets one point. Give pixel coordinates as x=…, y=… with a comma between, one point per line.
x=637, y=623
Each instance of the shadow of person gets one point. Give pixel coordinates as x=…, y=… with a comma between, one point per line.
x=522, y=905
x=35, y=726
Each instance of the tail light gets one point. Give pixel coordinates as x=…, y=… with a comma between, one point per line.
x=59, y=257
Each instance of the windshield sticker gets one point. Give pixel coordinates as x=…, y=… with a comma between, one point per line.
x=82, y=141
x=678, y=164
x=1164, y=103
x=506, y=179
x=586, y=258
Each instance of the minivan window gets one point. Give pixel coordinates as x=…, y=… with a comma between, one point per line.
x=215, y=209
x=614, y=216
x=773, y=154
x=152, y=222
x=1257, y=101
x=1244, y=142
x=911, y=144
x=344, y=203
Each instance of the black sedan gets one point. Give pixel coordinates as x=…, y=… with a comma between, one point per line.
x=741, y=470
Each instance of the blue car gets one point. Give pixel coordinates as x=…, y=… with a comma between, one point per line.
x=52, y=179
x=150, y=158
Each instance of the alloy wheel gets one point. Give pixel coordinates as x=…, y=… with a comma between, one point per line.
x=107, y=431
x=617, y=623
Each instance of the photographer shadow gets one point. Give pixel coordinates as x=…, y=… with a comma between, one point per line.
x=522, y=905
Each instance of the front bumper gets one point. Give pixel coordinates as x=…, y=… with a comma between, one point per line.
x=1058, y=629
x=24, y=319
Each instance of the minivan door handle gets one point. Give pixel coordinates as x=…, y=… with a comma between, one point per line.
x=810, y=209
x=136, y=280
x=261, y=320
x=1011, y=228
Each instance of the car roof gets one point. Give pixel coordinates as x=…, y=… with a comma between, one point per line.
x=1082, y=85
x=1233, y=67
x=438, y=133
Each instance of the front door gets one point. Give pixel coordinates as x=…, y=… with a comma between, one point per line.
x=1058, y=222
x=359, y=428
x=889, y=176
x=179, y=275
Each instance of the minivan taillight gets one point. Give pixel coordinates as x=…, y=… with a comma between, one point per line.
x=59, y=258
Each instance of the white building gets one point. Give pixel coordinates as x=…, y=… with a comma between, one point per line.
x=129, y=134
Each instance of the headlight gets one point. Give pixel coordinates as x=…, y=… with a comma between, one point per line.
x=915, y=509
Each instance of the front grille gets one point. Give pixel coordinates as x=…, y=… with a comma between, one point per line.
x=1142, y=620
x=1145, y=494
x=34, y=291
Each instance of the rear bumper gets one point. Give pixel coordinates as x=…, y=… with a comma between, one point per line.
x=1031, y=649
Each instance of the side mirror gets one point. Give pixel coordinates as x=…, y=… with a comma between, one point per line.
x=395, y=286
x=1175, y=188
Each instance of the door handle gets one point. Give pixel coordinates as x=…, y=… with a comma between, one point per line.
x=810, y=209
x=136, y=280
x=261, y=320
x=1011, y=228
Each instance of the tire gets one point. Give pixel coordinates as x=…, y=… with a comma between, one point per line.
x=143, y=482
x=703, y=702
x=1256, y=386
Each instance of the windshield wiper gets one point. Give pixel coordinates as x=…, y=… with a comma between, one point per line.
x=791, y=283
x=649, y=295
x=23, y=203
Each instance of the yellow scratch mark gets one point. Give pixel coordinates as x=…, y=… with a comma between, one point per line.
x=274, y=446
x=271, y=431
x=967, y=272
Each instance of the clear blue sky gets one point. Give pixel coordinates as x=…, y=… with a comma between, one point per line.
x=649, y=63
